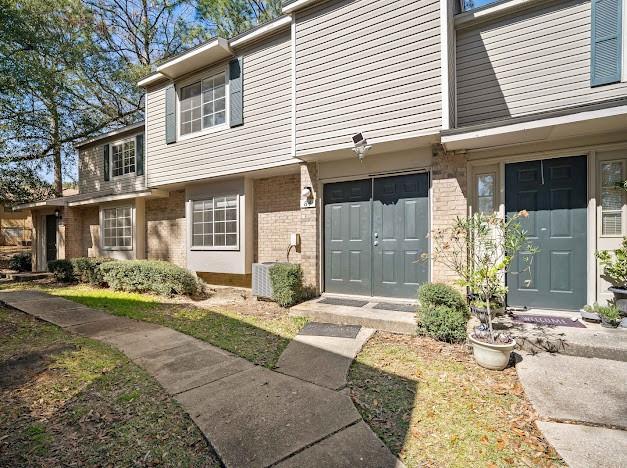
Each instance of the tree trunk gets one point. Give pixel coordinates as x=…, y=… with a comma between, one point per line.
x=56, y=147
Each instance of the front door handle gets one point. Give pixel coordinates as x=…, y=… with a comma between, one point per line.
x=376, y=235
x=376, y=243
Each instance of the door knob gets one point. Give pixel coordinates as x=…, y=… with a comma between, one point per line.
x=376, y=235
x=376, y=243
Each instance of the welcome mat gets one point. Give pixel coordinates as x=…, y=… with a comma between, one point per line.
x=330, y=329
x=395, y=307
x=548, y=320
x=343, y=302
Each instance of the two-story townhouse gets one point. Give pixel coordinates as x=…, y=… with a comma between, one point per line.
x=355, y=127
x=540, y=117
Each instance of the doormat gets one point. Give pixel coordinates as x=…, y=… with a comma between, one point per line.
x=330, y=329
x=343, y=302
x=548, y=320
x=395, y=307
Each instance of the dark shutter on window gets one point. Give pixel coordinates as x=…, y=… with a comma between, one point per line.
x=236, y=91
x=170, y=114
x=139, y=154
x=106, y=162
x=605, y=66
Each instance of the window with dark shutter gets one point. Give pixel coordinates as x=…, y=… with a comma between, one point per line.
x=236, y=91
x=605, y=67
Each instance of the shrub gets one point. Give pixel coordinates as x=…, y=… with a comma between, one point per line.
x=442, y=323
x=439, y=294
x=87, y=269
x=62, y=269
x=149, y=276
x=21, y=262
x=287, y=283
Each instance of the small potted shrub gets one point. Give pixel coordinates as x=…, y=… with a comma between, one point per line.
x=609, y=314
x=615, y=272
x=480, y=249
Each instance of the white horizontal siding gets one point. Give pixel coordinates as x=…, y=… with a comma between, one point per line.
x=370, y=66
x=91, y=171
x=535, y=62
x=263, y=141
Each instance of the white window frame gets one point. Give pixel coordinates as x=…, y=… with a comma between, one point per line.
x=495, y=205
x=623, y=209
x=190, y=224
x=103, y=246
x=227, y=101
x=117, y=143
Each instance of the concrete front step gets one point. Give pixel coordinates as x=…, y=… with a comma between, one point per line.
x=384, y=320
x=27, y=276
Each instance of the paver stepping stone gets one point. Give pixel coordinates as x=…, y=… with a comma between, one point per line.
x=65, y=317
x=259, y=417
x=111, y=326
x=355, y=446
x=323, y=360
x=587, y=446
x=570, y=388
x=191, y=365
x=40, y=306
x=145, y=342
x=9, y=297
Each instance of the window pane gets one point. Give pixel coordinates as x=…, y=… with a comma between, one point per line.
x=117, y=228
x=231, y=240
x=231, y=227
x=197, y=240
x=486, y=205
x=611, y=173
x=219, y=118
x=219, y=239
x=485, y=193
x=219, y=228
x=208, y=225
x=190, y=108
x=612, y=199
x=612, y=224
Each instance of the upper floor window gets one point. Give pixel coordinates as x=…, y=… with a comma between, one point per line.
x=203, y=104
x=123, y=157
x=468, y=5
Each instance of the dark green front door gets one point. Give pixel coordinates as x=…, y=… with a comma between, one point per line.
x=400, y=228
x=554, y=192
x=51, y=238
x=374, y=233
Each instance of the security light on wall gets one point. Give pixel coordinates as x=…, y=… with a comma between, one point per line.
x=361, y=146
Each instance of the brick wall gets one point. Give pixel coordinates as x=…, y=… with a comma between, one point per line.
x=165, y=228
x=449, y=201
x=79, y=232
x=309, y=229
x=276, y=214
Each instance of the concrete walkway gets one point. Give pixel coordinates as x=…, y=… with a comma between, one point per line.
x=582, y=404
x=252, y=416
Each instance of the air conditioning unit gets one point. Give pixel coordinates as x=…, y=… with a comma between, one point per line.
x=262, y=286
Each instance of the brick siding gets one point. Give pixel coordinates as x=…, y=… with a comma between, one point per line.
x=166, y=228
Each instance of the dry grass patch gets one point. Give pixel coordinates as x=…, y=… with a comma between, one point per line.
x=433, y=406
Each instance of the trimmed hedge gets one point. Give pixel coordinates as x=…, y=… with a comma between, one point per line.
x=21, y=262
x=287, y=283
x=437, y=294
x=442, y=323
x=86, y=269
x=62, y=269
x=149, y=276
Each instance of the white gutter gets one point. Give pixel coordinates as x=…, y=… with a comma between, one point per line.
x=151, y=79
x=121, y=196
x=51, y=202
x=296, y=6
x=169, y=69
x=255, y=34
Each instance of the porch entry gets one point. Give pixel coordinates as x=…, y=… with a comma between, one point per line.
x=554, y=192
x=51, y=238
x=375, y=230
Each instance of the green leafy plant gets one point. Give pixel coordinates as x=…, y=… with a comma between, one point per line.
x=21, y=261
x=614, y=265
x=87, y=269
x=62, y=269
x=441, y=294
x=480, y=249
x=150, y=276
x=287, y=283
x=442, y=323
x=610, y=313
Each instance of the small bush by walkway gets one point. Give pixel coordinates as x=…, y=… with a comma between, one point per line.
x=442, y=409
x=66, y=400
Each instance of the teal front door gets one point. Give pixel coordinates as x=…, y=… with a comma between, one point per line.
x=375, y=231
x=554, y=192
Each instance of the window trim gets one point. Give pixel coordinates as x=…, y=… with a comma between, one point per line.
x=623, y=210
x=227, y=101
x=121, y=142
x=102, y=228
x=214, y=248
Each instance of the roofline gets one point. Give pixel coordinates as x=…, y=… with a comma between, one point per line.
x=296, y=5
x=104, y=136
x=119, y=196
x=252, y=34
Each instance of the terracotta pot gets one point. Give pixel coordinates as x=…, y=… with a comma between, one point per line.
x=493, y=356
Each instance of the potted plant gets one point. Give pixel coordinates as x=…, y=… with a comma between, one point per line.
x=615, y=272
x=480, y=250
x=610, y=315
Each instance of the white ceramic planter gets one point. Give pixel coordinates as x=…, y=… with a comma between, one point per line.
x=491, y=356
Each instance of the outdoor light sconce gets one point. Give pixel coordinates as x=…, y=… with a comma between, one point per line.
x=307, y=199
x=57, y=213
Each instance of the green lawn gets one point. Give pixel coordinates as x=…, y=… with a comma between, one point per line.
x=433, y=406
x=258, y=337
x=71, y=401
